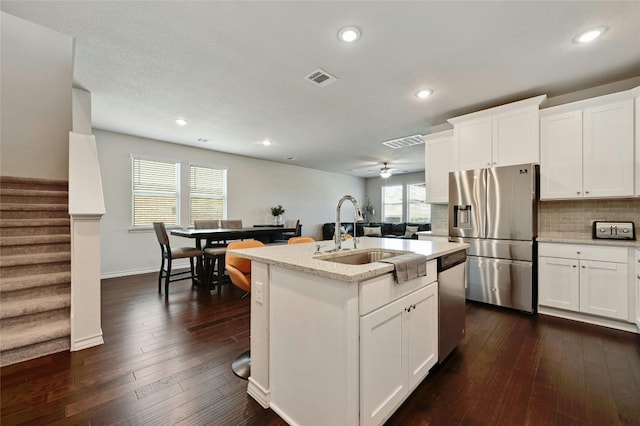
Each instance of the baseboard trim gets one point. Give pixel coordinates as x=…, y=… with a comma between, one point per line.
x=259, y=393
x=87, y=342
x=577, y=316
x=156, y=269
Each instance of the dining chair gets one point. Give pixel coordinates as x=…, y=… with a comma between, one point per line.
x=239, y=270
x=169, y=255
x=231, y=224
x=291, y=223
x=213, y=256
x=298, y=240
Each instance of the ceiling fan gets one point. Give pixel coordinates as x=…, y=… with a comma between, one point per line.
x=385, y=172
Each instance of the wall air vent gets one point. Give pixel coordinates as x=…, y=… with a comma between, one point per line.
x=404, y=142
x=321, y=78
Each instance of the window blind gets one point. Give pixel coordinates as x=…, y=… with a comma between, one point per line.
x=392, y=202
x=207, y=193
x=419, y=209
x=155, y=192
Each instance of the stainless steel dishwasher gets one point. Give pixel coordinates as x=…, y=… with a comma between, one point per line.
x=451, y=301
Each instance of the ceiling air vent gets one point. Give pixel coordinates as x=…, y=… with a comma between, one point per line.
x=321, y=78
x=404, y=142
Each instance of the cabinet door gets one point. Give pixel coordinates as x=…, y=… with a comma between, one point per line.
x=637, y=145
x=474, y=140
x=516, y=138
x=558, y=284
x=637, y=281
x=422, y=333
x=561, y=155
x=440, y=160
x=608, y=150
x=383, y=367
x=603, y=289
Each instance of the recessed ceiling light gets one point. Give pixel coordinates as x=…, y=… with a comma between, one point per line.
x=181, y=122
x=423, y=94
x=266, y=142
x=349, y=34
x=589, y=36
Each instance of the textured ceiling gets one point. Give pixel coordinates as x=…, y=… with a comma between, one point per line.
x=236, y=70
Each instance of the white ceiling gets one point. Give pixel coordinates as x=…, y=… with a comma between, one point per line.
x=236, y=70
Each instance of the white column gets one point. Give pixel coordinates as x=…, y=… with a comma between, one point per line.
x=86, y=207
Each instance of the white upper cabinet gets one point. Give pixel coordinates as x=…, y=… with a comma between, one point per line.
x=561, y=155
x=473, y=138
x=440, y=159
x=500, y=136
x=588, y=152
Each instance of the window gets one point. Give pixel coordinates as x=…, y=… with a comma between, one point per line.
x=155, y=192
x=207, y=196
x=419, y=210
x=392, y=204
x=415, y=209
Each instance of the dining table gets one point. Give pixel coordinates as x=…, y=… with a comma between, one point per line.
x=216, y=235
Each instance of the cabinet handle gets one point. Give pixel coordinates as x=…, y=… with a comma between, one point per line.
x=586, y=192
x=574, y=266
x=578, y=192
x=583, y=267
x=638, y=276
x=578, y=252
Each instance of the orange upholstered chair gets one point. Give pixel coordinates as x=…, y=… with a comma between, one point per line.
x=239, y=271
x=298, y=240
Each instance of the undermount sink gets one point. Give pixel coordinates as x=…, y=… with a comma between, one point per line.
x=361, y=257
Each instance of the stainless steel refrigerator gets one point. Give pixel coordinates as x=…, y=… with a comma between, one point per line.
x=495, y=211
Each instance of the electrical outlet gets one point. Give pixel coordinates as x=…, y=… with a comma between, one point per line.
x=258, y=292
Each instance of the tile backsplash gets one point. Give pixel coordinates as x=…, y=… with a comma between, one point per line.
x=440, y=219
x=574, y=218
x=563, y=219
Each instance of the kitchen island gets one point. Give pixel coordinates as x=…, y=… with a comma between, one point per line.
x=335, y=343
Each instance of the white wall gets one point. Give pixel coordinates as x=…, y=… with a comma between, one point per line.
x=36, y=66
x=253, y=187
x=373, y=190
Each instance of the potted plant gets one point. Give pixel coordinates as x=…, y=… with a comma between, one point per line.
x=277, y=212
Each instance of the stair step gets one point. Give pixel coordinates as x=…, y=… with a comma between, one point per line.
x=33, y=207
x=32, y=223
x=37, y=350
x=34, y=183
x=34, y=281
x=27, y=259
x=32, y=332
x=35, y=231
x=18, y=192
x=34, y=240
x=19, y=306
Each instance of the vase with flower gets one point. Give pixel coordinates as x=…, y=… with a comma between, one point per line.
x=277, y=212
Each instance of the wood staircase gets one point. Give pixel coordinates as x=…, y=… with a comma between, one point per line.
x=35, y=268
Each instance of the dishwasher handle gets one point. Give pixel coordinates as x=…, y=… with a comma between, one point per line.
x=450, y=260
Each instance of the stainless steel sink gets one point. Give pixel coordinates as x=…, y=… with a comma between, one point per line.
x=361, y=257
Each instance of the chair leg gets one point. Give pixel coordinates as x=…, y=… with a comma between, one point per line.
x=167, y=278
x=160, y=276
x=220, y=263
x=193, y=273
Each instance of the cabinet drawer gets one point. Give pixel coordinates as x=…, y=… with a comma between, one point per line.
x=379, y=291
x=584, y=252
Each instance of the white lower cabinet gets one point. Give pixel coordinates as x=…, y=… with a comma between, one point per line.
x=637, y=282
x=398, y=346
x=588, y=279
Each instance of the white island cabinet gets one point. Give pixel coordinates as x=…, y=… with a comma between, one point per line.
x=338, y=344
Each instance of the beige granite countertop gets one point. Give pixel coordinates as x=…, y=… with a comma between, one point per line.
x=589, y=240
x=302, y=257
x=432, y=234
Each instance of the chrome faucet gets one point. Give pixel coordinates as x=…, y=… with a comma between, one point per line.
x=358, y=218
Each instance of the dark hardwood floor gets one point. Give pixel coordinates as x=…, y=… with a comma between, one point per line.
x=168, y=362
